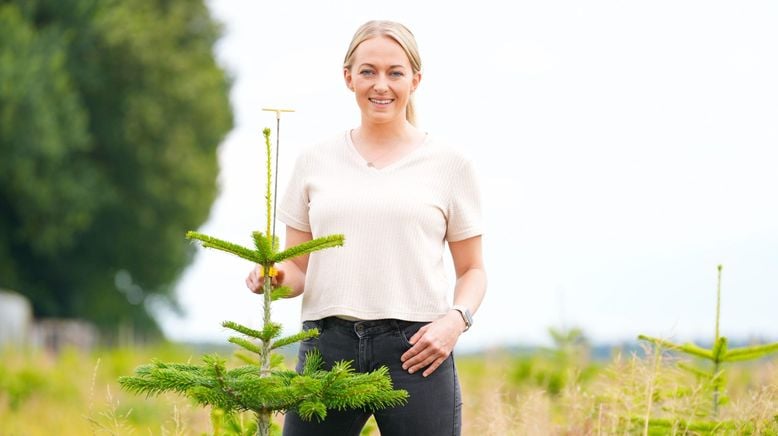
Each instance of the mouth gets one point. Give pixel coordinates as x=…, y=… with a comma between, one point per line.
x=381, y=101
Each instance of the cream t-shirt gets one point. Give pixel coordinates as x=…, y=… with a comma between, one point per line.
x=395, y=220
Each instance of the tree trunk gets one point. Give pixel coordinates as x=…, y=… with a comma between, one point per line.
x=263, y=416
x=263, y=423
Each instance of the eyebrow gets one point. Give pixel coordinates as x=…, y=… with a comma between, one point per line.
x=373, y=66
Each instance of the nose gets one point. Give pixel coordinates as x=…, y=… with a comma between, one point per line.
x=381, y=84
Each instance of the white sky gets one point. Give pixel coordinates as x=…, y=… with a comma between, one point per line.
x=624, y=148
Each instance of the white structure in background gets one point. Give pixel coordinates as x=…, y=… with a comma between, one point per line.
x=55, y=334
x=18, y=328
x=15, y=318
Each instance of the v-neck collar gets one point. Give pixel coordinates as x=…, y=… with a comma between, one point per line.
x=364, y=163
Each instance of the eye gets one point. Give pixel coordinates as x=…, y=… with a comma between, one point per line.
x=366, y=73
x=397, y=74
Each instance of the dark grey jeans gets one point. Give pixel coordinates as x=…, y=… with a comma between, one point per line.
x=434, y=402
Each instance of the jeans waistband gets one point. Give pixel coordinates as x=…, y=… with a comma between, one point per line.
x=366, y=327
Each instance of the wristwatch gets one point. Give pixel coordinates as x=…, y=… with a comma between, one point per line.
x=466, y=316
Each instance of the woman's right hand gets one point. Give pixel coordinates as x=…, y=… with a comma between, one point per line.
x=256, y=278
x=290, y=272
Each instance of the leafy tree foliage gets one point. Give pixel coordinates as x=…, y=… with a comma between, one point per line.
x=110, y=117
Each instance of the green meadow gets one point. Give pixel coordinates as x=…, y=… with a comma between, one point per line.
x=555, y=391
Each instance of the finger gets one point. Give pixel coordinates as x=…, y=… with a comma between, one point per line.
x=410, y=356
x=420, y=356
x=429, y=360
x=430, y=369
x=431, y=353
x=418, y=335
x=276, y=276
x=252, y=284
x=252, y=276
x=413, y=351
x=407, y=355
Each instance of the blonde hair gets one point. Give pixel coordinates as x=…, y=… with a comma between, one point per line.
x=402, y=36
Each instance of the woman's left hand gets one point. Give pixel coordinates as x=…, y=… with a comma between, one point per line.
x=433, y=343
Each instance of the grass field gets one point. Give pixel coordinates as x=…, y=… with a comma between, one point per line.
x=548, y=392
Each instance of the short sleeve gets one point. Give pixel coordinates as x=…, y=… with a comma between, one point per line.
x=293, y=208
x=464, y=211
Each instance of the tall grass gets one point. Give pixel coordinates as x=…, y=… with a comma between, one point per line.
x=618, y=399
x=75, y=393
x=504, y=394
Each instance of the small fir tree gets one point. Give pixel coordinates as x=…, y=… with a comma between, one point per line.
x=263, y=385
x=717, y=355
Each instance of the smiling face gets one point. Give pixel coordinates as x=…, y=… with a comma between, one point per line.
x=382, y=79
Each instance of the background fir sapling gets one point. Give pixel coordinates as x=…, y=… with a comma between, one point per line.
x=713, y=375
x=263, y=385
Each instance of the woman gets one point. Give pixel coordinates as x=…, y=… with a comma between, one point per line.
x=398, y=197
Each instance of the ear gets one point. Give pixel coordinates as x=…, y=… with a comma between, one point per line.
x=415, y=82
x=347, y=78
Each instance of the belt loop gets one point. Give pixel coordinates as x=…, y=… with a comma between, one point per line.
x=359, y=328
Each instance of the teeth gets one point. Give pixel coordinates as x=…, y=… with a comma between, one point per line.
x=380, y=101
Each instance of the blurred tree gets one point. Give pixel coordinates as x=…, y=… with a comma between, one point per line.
x=110, y=117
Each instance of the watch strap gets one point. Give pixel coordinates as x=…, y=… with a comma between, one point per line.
x=466, y=316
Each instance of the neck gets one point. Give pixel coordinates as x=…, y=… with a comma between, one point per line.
x=386, y=134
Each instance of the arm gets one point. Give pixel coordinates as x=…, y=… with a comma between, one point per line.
x=433, y=343
x=471, y=275
x=290, y=273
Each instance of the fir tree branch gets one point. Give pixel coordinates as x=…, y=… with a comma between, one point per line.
x=229, y=247
x=696, y=371
x=250, y=369
x=750, y=352
x=240, y=328
x=264, y=247
x=310, y=408
x=219, y=371
x=273, y=392
x=313, y=362
x=243, y=388
x=303, y=335
x=271, y=330
x=688, y=348
x=256, y=393
x=247, y=358
x=248, y=345
x=309, y=247
x=213, y=397
x=164, y=379
x=286, y=374
x=277, y=360
x=372, y=390
x=214, y=363
x=695, y=350
x=156, y=364
x=280, y=292
x=719, y=349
